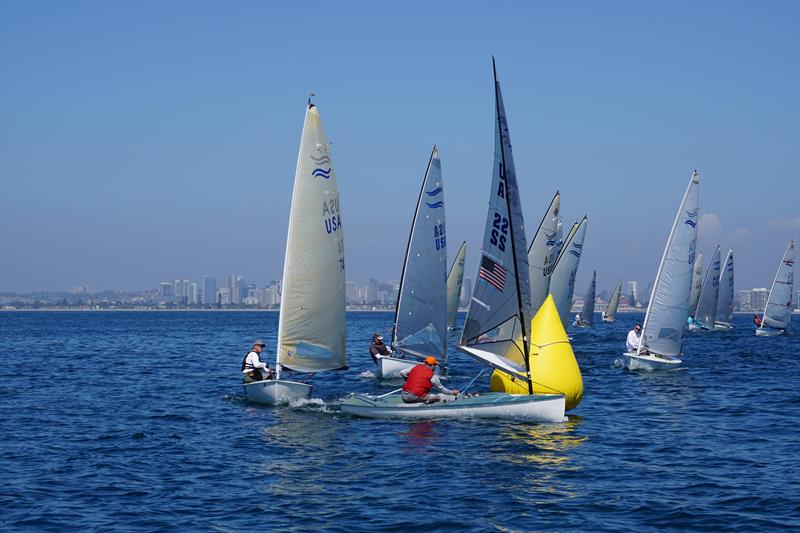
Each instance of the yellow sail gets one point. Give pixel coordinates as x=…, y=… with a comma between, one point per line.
x=552, y=363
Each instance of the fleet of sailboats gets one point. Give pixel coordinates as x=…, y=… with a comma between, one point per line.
x=311, y=327
x=706, y=313
x=778, y=311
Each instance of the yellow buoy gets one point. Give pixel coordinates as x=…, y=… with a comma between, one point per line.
x=552, y=362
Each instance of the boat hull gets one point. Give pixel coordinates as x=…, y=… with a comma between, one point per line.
x=541, y=408
x=769, y=332
x=650, y=362
x=722, y=326
x=276, y=392
x=696, y=326
x=390, y=367
x=609, y=319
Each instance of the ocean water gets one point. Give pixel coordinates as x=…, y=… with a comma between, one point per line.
x=135, y=421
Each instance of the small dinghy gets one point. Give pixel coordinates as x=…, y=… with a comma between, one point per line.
x=778, y=312
x=455, y=279
x=668, y=309
x=724, y=320
x=611, y=312
x=706, y=312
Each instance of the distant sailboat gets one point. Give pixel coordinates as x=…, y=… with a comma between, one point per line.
x=311, y=328
x=562, y=280
x=497, y=324
x=706, y=312
x=668, y=309
x=587, y=315
x=697, y=283
x=455, y=278
x=778, y=312
x=610, y=314
x=724, y=318
x=542, y=254
x=420, y=320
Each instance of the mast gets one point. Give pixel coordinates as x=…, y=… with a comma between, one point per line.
x=408, y=247
x=520, y=310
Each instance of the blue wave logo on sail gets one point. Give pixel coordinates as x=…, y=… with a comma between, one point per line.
x=692, y=223
x=322, y=173
x=551, y=239
x=434, y=192
x=691, y=215
x=575, y=253
x=435, y=205
x=324, y=160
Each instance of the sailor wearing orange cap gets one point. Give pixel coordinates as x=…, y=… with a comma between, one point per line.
x=419, y=381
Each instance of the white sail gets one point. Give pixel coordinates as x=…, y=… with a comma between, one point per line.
x=706, y=311
x=725, y=300
x=455, y=278
x=543, y=253
x=562, y=280
x=611, y=311
x=420, y=325
x=668, y=309
x=311, y=330
x=498, y=316
x=778, y=311
x=587, y=315
x=697, y=284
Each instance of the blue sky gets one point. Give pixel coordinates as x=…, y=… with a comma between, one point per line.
x=147, y=141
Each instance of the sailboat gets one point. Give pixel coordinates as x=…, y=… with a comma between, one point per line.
x=587, y=315
x=542, y=255
x=420, y=320
x=562, y=280
x=665, y=321
x=311, y=327
x=496, y=329
x=778, y=312
x=610, y=314
x=706, y=312
x=724, y=318
x=455, y=278
x=697, y=283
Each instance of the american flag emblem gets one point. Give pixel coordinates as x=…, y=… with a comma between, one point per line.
x=493, y=273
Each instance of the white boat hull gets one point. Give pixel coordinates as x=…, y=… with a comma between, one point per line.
x=721, y=326
x=650, y=362
x=276, y=392
x=390, y=367
x=609, y=319
x=769, y=332
x=541, y=408
x=696, y=326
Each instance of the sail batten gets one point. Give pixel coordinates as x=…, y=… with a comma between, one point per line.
x=778, y=311
x=420, y=326
x=668, y=309
x=311, y=329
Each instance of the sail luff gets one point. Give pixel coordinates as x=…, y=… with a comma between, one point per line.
x=455, y=279
x=668, y=307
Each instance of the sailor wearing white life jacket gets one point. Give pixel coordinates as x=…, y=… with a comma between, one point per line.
x=252, y=368
x=419, y=381
x=634, y=338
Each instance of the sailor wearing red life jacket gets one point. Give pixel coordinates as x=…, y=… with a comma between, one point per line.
x=419, y=381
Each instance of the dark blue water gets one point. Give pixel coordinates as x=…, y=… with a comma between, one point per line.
x=135, y=420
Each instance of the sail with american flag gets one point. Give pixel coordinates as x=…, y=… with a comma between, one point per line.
x=495, y=330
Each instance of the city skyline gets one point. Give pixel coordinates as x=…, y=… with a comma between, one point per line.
x=123, y=157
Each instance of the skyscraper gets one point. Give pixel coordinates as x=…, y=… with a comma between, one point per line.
x=633, y=290
x=209, y=290
x=351, y=292
x=758, y=299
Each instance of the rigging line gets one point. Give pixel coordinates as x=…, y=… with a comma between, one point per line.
x=468, y=385
x=549, y=344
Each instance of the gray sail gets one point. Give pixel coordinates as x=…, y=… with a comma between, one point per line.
x=455, y=279
x=611, y=311
x=725, y=301
x=587, y=315
x=562, y=280
x=707, y=303
x=668, y=309
x=420, y=326
x=778, y=312
x=543, y=253
x=697, y=284
x=498, y=318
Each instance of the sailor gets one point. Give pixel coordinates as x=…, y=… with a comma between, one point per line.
x=419, y=381
x=252, y=368
x=690, y=320
x=756, y=321
x=634, y=338
x=378, y=347
x=578, y=321
x=604, y=315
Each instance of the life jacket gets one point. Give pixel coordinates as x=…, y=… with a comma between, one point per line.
x=418, y=382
